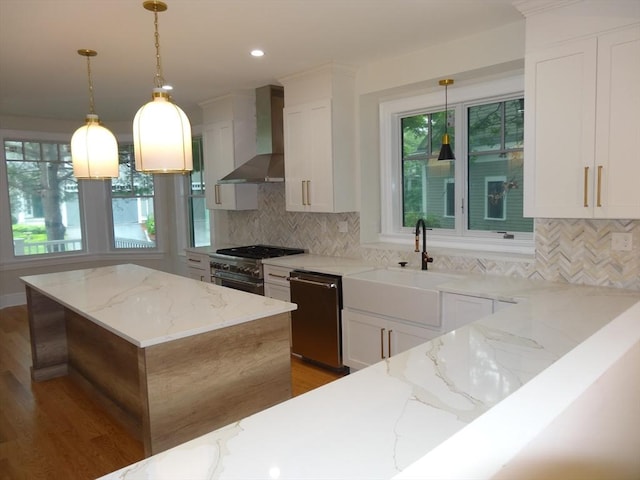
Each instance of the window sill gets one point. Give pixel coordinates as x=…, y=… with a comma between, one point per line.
x=35, y=261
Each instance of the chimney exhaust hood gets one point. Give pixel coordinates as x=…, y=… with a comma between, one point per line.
x=268, y=164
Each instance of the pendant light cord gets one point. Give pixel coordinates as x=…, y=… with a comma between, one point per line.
x=159, y=79
x=91, y=102
x=446, y=109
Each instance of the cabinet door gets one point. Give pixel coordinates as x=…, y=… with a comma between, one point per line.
x=295, y=153
x=560, y=92
x=403, y=337
x=459, y=310
x=617, y=124
x=219, y=158
x=320, y=166
x=308, y=153
x=364, y=339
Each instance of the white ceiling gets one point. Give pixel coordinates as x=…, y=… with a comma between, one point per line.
x=205, y=46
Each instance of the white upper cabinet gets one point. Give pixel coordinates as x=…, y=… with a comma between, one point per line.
x=618, y=124
x=229, y=140
x=582, y=129
x=319, y=136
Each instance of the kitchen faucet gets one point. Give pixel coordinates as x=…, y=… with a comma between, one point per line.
x=426, y=259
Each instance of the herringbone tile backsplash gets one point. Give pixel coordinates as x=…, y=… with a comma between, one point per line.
x=574, y=251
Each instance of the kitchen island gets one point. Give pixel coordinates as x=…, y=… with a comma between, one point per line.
x=377, y=422
x=170, y=357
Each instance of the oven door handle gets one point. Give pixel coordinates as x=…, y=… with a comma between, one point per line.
x=222, y=276
x=311, y=282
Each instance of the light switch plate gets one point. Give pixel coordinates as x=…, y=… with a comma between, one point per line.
x=621, y=242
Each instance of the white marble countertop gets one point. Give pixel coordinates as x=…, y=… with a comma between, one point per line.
x=321, y=264
x=148, y=307
x=377, y=422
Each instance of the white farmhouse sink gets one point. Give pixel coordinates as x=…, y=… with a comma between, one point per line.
x=404, y=277
x=409, y=295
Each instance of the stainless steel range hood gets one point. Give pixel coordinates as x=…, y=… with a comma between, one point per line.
x=268, y=164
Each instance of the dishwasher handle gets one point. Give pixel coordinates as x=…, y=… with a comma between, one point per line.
x=313, y=282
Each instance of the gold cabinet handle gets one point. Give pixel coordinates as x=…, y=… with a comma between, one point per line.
x=599, y=191
x=308, y=192
x=586, y=186
x=382, y=343
x=216, y=191
x=304, y=196
x=389, y=340
x=277, y=276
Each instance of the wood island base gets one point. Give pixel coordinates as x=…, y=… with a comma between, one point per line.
x=171, y=392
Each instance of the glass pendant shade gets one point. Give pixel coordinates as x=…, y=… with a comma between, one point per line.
x=94, y=151
x=162, y=137
x=161, y=130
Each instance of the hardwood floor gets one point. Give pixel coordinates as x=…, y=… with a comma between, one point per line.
x=53, y=430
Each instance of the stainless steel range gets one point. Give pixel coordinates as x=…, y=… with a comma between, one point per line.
x=241, y=267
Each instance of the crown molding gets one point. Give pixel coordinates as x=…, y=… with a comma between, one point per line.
x=534, y=7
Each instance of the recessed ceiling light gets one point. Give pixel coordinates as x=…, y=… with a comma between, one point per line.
x=257, y=53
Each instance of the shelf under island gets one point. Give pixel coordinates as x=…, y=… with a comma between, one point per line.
x=170, y=357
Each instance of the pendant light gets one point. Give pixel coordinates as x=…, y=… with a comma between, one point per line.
x=94, y=149
x=161, y=130
x=445, y=151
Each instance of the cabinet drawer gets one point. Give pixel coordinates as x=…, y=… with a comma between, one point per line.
x=279, y=292
x=198, y=261
x=277, y=275
x=200, y=275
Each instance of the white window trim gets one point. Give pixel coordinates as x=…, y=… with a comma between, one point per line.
x=391, y=177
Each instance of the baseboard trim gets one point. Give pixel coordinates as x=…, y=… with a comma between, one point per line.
x=13, y=299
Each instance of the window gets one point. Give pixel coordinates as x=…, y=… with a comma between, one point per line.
x=199, y=230
x=43, y=198
x=422, y=173
x=468, y=201
x=495, y=143
x=132, y=196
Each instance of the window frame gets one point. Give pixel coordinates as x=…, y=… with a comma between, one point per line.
x=460, y=98
x=155, y=201
x=95, y=215
x=39, y=138
x=189, y=196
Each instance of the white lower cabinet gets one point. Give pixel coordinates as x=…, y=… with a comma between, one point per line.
x=459, y=310
x=198, y=267
x=276, y=282
x=369, y=338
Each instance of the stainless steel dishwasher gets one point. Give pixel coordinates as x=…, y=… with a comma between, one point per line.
x=316, y=329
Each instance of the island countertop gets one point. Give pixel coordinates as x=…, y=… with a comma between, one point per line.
x=378, y=421
x=147, y=307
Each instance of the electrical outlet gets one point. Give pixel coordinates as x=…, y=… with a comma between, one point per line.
x=621, y=242
x=343, y=227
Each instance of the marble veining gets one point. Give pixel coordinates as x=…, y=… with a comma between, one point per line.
x=147, y=307
x=376, y=422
